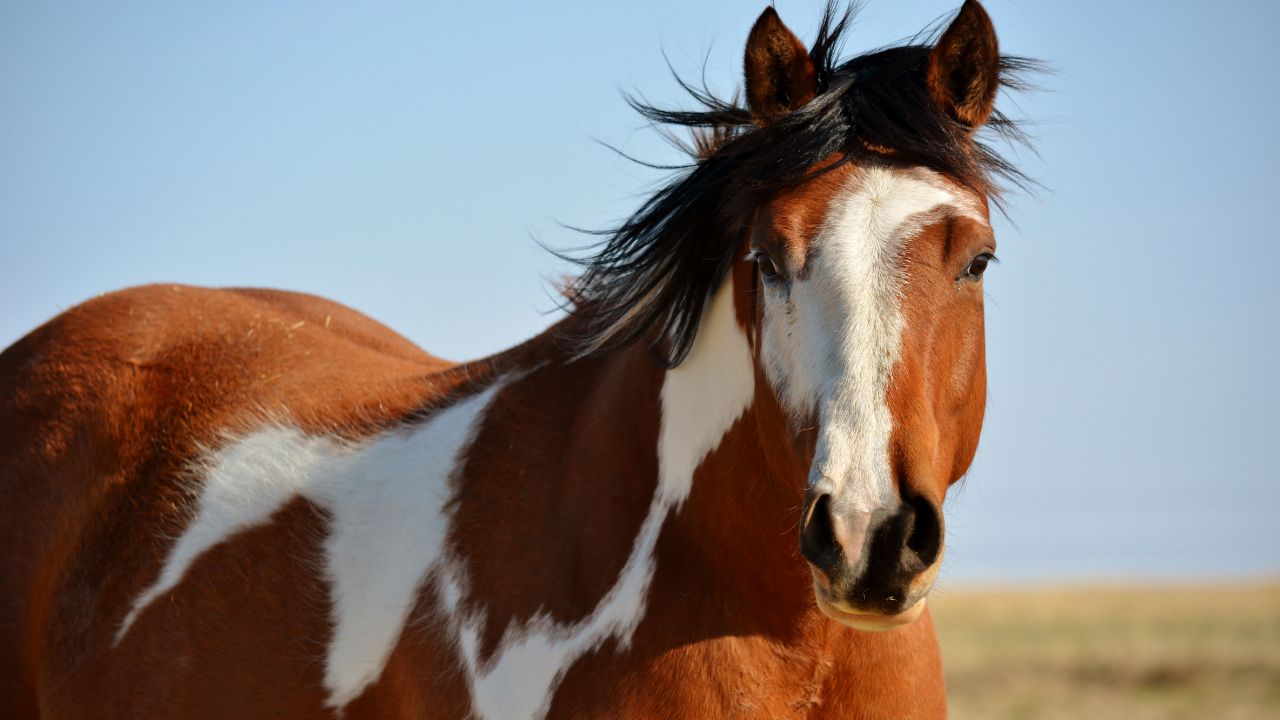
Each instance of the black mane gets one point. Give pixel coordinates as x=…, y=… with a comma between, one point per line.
x=652, y=276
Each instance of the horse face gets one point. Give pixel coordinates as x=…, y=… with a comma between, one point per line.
x=870, y=331
x=871, y=338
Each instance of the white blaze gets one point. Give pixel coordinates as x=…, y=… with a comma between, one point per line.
x=830, y=341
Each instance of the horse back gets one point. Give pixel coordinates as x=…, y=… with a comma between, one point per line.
x=102, y=411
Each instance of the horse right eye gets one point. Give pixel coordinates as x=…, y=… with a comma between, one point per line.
x=767, y=268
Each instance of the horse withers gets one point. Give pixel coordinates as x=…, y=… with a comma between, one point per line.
x=699, y=495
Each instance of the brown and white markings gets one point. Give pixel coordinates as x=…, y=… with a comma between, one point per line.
x=693, y=498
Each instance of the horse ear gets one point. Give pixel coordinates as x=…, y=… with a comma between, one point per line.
x=964, y=67
x=780, y=75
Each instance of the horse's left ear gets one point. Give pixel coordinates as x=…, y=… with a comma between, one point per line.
x=780, y=74
x=964, y=67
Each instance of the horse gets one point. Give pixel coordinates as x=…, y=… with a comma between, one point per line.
x=713, y=489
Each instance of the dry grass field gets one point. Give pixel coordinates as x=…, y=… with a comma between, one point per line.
x=1101, y=653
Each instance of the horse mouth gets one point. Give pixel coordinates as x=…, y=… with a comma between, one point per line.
x=872, y=621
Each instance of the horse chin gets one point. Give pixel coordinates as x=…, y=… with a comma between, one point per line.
x=874, y=622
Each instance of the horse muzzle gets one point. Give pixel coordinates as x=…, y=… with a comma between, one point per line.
x=872, y=570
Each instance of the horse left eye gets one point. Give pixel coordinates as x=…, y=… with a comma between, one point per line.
x=978, y=265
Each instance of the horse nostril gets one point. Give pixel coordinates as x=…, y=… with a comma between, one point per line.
x=818, y=542
x=924, y=538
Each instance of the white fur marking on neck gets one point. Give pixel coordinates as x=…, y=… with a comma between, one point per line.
x=704, y=396
x=701, y=399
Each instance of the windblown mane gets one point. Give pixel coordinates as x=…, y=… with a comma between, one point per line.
x=653, y=274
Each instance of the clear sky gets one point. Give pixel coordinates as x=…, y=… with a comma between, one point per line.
x=402, y=158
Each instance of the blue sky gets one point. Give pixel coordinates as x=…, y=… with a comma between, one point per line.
x=402, y=158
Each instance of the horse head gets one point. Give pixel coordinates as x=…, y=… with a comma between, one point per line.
x=869, y=322
x=848, y=205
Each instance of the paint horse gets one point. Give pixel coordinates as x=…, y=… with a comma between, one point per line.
x=698, y=495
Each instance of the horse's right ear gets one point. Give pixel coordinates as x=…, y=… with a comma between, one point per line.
x=780, y=75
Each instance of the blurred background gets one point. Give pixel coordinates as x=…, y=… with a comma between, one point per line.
x=1114, y=550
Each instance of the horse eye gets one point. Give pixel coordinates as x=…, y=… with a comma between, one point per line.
x=767, y=268
x=978, y=265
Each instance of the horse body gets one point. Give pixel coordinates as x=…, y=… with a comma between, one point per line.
x=261, y=504
x=566, y=547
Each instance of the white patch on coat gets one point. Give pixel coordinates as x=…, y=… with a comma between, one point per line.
x=388, y=530
x=388, y=497
x=830, y=340
x=701, y=399
x=245, y=484
x=704, y=396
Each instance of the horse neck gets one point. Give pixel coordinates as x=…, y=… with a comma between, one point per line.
x=720, y=514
